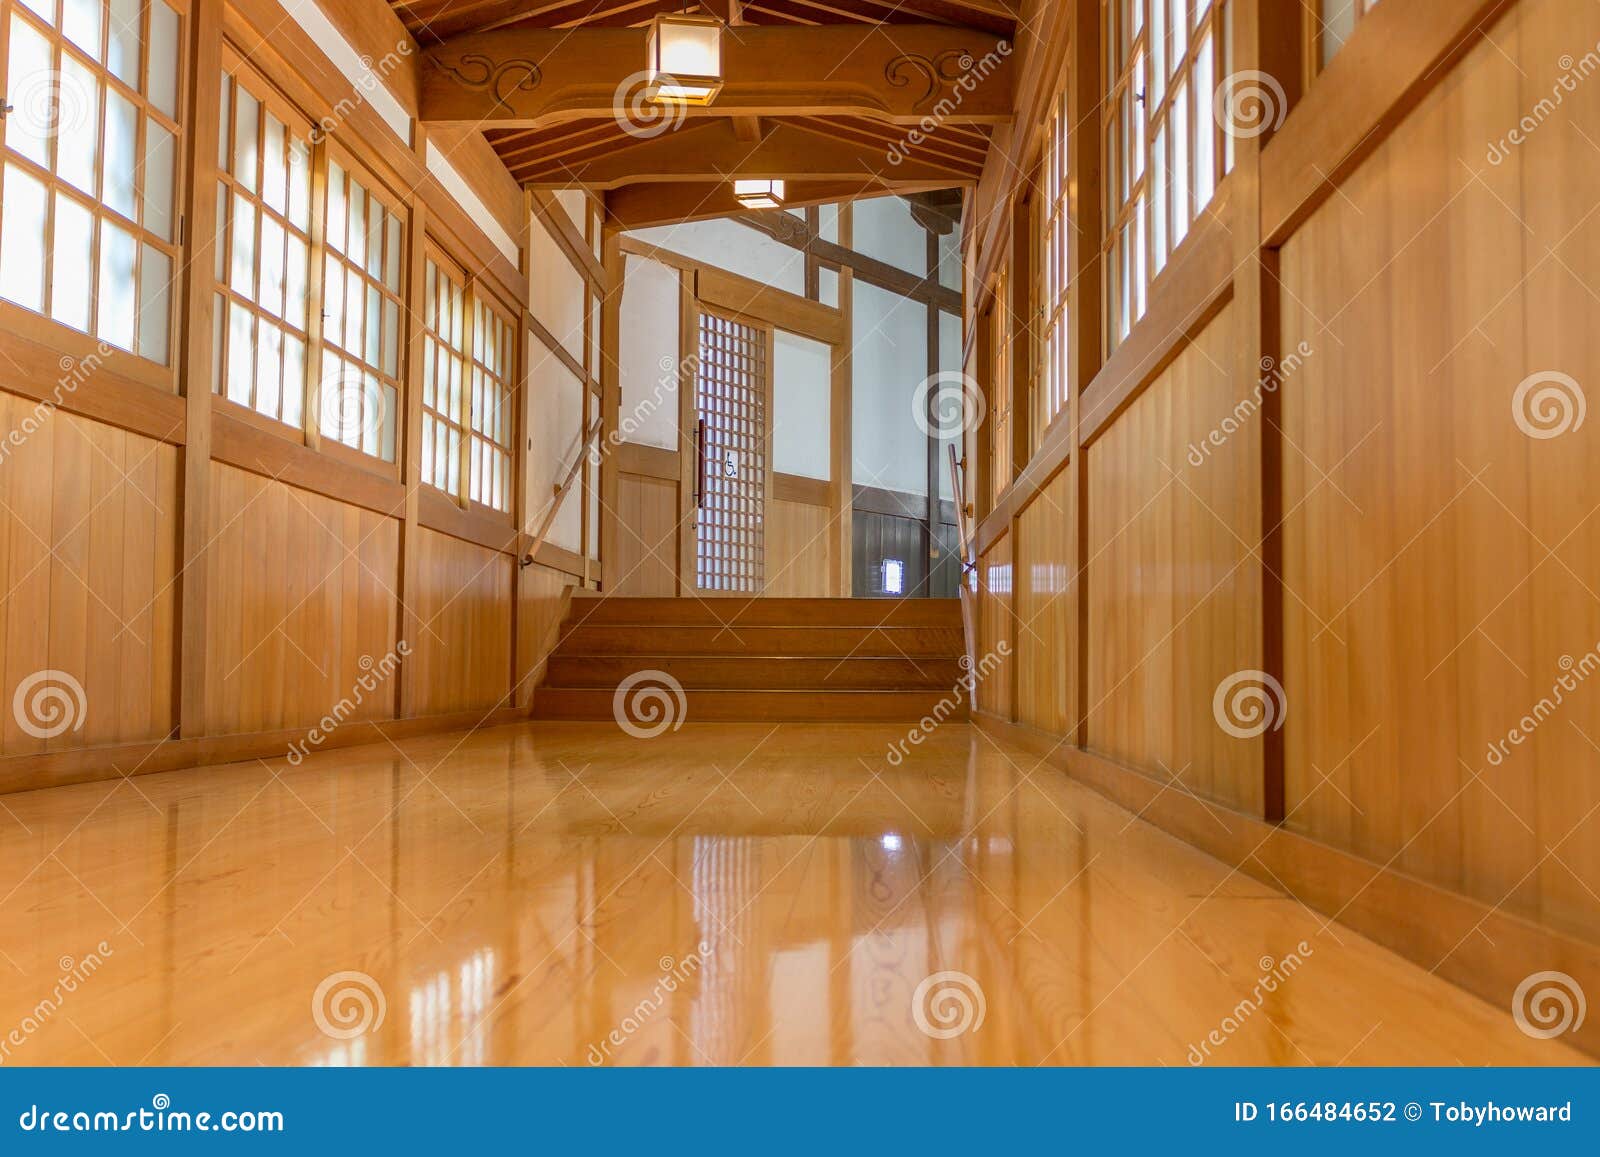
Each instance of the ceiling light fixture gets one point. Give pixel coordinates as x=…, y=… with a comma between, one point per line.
x=759, y=194
x=684, y=58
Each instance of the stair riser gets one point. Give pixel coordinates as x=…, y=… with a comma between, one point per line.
x=710, y=672
x=764, y=612
x=762, y=706
x=756, y=642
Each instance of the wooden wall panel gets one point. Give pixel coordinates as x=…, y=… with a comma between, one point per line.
x=995, y=625
x=1174, y=592
x=646, y=536
x=463, y=651
x=87, y=558
x=1441, y=563
x=303, y=605
x=1046, y=694
x=543, y=596
x=800, y=541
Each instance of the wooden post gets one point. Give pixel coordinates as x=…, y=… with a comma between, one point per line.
x=410, y=626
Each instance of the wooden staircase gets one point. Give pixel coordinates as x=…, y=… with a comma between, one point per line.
x=762, y=660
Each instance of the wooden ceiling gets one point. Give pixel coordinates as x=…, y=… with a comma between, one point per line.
x=832, y=95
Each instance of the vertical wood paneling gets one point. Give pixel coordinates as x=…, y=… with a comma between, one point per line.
x=995, y=626
x=303, y=604
x=1439, y=562
x=1045, y=627
x=799, y=550
x=463, y=649
x=86, y=566
x=1173, y=590
x=646, y=537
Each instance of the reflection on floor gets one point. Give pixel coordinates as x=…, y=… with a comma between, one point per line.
x=724, y=894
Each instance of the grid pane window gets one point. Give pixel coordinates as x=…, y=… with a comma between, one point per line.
x=493, y=364
x=87, y=200
x=362, y=264
x=263, y=252
x=1054, y=280
x=1164, y=150
x=444, y=369
x=1000, y=402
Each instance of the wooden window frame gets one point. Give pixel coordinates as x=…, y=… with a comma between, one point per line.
x=1054, y=280
x=484, y=380
x=1315, y=40
x=1139, y=117
x=1001, y=387
x=39, y=325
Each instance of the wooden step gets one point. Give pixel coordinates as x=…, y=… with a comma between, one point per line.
x=702, y=706
x=598, y=610
x=785, y=673
x=856, y=642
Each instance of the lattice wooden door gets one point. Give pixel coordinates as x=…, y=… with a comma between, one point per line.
x=730, y=400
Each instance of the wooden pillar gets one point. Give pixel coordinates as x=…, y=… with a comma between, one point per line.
x=410, y=627
x=842, y=466
x=205, y=51
x=610, y=407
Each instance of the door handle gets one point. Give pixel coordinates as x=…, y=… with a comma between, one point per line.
x=700, y=464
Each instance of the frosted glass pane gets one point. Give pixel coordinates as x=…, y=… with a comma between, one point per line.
x=155, y=293
x=296, y=267
x=294, y=379
x=122, y=140
x=391, y=338
x=158, y=168
x=299, y=186
x=1180, y=164
x=336, y=208
x=80, y=21
x=373, y=333
x=375, y=218
x=77, y=125
x=72, y=264
x=28, y=127
x=118, y=253
x=802, y=401
x=122, y=52
x=332, y=300
x=221, y=246
x=648, y=355
x=356, y=234
x=391, y=262
x=1205, y=139
x=22, y=217
x=246, y=115
x=162, y=85
x=271, y=266
x=224, y=123
x=243, y=273
x=269, y=368
x=274, y=167
x=241, y=355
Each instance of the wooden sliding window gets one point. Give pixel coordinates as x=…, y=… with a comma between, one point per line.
x=445, y=349
x=494, y=358
x=1054, y=282
x=1164, y=151
x=362, y=303
x=263, y=252
x=88, y=211
x=1000, y=389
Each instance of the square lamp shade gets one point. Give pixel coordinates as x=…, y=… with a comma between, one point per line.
x=758, y=194
x=684, y=58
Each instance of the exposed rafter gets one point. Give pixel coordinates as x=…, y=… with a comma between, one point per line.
x=640, y=206
x=906, y=74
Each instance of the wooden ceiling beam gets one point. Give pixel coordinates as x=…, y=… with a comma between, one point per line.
x=712, y=151
x=641, y=206
x=905, y=73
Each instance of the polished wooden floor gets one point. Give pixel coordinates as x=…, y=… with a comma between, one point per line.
x=559, y=893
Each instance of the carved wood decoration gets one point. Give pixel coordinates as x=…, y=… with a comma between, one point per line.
x=903, y=73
